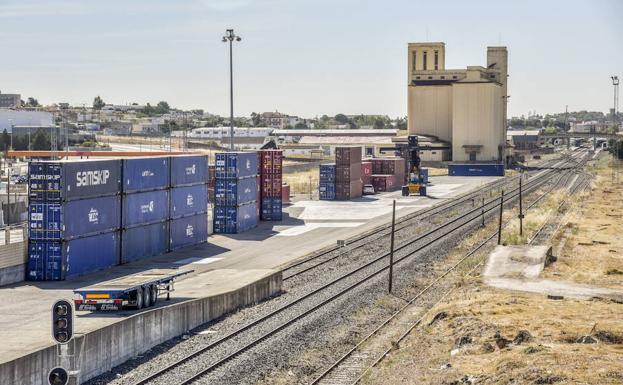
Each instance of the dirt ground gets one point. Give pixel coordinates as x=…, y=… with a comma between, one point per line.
x=482, y=335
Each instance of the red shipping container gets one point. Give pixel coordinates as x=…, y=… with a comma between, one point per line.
x=347, y=155
x=211, y=175
x=366, y=172
x=285, y=194
x=270, y=161
x=271, y=186
x=347, y=191
x=384, y=183
x=344, y=173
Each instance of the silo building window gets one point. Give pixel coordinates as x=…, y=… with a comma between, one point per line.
x=436, y=60
x=424, y=61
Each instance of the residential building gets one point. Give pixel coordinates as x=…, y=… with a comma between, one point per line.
x=10, y=100
x=275, y=119
x=590, y=126
x=464, y=107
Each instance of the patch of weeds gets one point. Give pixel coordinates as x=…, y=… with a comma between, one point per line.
x=614, y=271
x=534, y=349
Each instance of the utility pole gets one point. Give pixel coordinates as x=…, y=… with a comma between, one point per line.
x=391, y=248
x=500, y=221
x=615, y=85
x=230, y=37
x=521, y=216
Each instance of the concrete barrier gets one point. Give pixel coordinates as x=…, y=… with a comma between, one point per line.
x=101, y=350
x=12, y=263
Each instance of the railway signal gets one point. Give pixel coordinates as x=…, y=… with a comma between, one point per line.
x=58, y=376
x=62, y=321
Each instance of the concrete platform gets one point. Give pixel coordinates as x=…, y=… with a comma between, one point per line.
x=230, y=271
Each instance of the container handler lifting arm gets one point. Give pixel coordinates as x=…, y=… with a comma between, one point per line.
x=415, y=184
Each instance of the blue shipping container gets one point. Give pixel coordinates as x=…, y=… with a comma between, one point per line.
x=144, y=241
x=424, y=174
x=57, y=260
x=484, y=169
x=70, y=180
x=144, y=207
x=232, y=165
x=189, y=200
x=189, y=170
x=189, y=231
x=232, y=220
x=73, y=219
x=234, y=192
x=145, y=174
x=327, y=172
x=271, y=209
x=326, y=191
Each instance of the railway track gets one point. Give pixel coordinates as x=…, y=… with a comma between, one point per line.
x=206, y=359
x=405, y=223
x=350, y=368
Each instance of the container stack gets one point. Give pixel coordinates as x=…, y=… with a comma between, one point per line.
x=235, y=192
x=366, y=172
x=74, y=218
x=326, y=189
x=189, y=201
x=347, y=173
x=270, y=165
x=144, y=208
x=388, y=174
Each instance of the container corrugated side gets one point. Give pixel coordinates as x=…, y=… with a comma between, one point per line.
x=232, y=192
x=189, y=170
x=69, y=180
x=145, y=174
x=271, y=185
x=188, y=231
x=327, y=172
x=271, y=161
x=144, y=241
x=74, y=219
x=189, y=200
x=326, y=190
x=144, y=207
x=271, y=209
x=347, y=155
x=230, y=165
x=231, y=220
x=473, y=169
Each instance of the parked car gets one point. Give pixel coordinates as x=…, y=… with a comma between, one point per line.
x=368, y=189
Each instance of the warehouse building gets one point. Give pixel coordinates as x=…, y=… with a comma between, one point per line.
x=464, y=107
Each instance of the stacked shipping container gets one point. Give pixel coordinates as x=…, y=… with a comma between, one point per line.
x=347, y=173
x=270, y=166
x=74, y=217
x=388, y=174
x=366, y=172
x=235, y=192
x=326, y=189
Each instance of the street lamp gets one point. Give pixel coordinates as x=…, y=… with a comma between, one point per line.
x=615, y=84
x=230, y=37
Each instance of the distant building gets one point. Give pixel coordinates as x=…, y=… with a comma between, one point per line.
x=10, y=118
x=524, y=140
x=275, y=119
x=590, y=126
x=10, y=100
x=218, y=133
x=464, y=107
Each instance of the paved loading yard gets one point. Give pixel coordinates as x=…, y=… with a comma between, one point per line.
x=226, y=263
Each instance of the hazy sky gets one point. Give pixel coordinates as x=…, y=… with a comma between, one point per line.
x=304, y=58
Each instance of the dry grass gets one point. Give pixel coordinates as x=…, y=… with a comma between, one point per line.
x=301, y=182
x=552, y=356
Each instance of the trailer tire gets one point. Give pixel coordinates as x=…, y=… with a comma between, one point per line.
x=146, y=297
x=153, y=294
x=139, y=298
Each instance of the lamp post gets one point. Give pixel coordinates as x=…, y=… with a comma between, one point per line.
x=230, y=37
x=615, y=84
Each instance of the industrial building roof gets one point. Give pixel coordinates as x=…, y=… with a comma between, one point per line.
x=332, y=132
x=337, y=140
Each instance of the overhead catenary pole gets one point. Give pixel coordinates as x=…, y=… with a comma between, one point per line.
x=391, y=248
x=521, y=216
x=500, y=221
x=230, y=37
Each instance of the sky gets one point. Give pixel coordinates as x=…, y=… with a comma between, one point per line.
x=302, y=57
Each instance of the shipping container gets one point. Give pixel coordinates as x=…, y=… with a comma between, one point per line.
x=70, y=180
x=348, y=191
x=383, y=183
x=232, y=165
x=366, y=172
x=424, y=175
x=347, y=174
x=271, y=185
x=270, y=161
x=144, y=207
x=145, y=174
x=469, y=169
x=326, y=191
x=189, y=200
x=211, y=175
x=327, y=172
x=73, y=219
x=58, y=260
x=347, y=155
x=271, y=209
x=187, y=170
x=231, y=220
x=144, y=241
x=233, y=192
x=189, y=231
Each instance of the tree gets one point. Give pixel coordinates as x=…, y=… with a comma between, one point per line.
x=300, y=126
x=41, y=141
x=32, y=102
x=162, y=107
x=379, y=123
x=98, y=103
x=256, y=119
x=341, y=118
x=401, y=123
x=5, y=139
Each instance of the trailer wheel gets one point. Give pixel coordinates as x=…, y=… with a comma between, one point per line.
x=154, y=294
x=146, y=297
x=139, y=298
